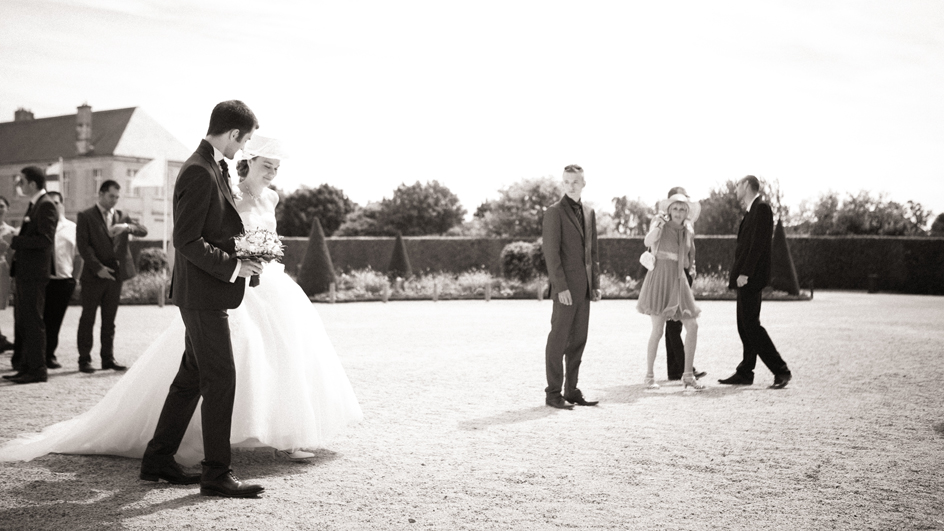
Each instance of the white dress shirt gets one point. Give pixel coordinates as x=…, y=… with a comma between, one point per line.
x=65, y=248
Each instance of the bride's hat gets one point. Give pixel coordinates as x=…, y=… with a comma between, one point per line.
x=261, y=146
x=694, y=207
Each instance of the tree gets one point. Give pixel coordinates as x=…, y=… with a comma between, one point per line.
x=295, y=213
x=363, y=221
x=632, y=216
x=420, y=209
x=519, y=210
x=867, y=214
x=720, y=211
x=937, y=228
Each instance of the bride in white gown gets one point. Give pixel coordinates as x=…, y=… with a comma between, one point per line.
x=291, y=391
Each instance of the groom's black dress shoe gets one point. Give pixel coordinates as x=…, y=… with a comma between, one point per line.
x=738, y=379
x=699, y=374
x=35, y=377
x=229, y=486
x=113, y=365
x=577, y=398
x=557, y=402
x=86, y=368
x=781, y=381
x=14, y=375
x=170, y=472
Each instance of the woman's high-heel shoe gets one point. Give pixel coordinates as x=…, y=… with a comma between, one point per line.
x=296, y=454
x=688, y=379
x=650, y=382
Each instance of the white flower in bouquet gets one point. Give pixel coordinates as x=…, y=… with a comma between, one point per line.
x=260, y=244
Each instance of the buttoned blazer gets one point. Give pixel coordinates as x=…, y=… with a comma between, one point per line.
x=752, y=253
x=98, y=248
x=572, y=256
x=205, y=227
x=34, y=256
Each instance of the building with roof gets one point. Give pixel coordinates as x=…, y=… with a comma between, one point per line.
x=82, y=150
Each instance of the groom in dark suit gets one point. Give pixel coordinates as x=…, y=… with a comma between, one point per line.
x=570, y=249
x=750, y=274
x=207, y=280
x=33, y=264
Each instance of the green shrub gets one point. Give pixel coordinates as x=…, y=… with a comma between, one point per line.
x=143, y=288
x=152, y=260
x=516, y=261
x=537, y=257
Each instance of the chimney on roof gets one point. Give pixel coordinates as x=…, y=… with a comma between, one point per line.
x=83, y=130
x=22, y=115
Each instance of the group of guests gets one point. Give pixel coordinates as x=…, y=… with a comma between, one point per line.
x=46, y=254
x=570, y=250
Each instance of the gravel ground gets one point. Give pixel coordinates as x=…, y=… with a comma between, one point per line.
x=456, y=435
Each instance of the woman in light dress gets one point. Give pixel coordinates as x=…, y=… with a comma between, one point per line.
x=665, y=293
x=292, y=393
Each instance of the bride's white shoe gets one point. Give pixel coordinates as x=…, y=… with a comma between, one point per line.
x=296, y=454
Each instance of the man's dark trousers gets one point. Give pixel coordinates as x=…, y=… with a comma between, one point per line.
x=754, y=336
x=566, y=342
x=207, y=369
x=30, y=331
x=97, y=293
x=674, y=346
x=58, y=294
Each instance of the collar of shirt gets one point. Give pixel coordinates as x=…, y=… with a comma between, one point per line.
x=572, y=203
x=107, y=214
x=37, y=195
x=749, y=205
x=217, y=154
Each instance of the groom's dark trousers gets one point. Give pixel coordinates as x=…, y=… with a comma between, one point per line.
x=202, y=286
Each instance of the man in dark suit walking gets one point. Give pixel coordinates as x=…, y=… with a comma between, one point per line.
x=570, y=249
x=208, y=279
x=101, y=236
x=749, y=276
x=33, y=264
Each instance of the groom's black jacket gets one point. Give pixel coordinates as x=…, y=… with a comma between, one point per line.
x=205, y=226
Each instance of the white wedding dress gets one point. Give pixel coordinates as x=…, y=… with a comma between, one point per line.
x=291, y=390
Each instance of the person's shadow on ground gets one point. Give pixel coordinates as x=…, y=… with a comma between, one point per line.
x=102, y=492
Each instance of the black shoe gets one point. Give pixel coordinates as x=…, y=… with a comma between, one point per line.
x=577, y=398
x=170, y=472
x=738, y=379
x=53, y=364
x=113, y=365
x=557, y=402
x=17, y=374
x=86, y=367
x=36, y=377
x=781, y=381
x=229, y=486
x=699, y=374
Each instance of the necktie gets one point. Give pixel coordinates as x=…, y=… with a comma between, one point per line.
x=578, y=210
x=29, y=209
x=224, y=168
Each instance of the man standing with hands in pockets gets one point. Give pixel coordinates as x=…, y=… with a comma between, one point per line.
x=570, y=249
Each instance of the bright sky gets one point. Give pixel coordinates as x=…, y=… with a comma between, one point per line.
x=841, y=95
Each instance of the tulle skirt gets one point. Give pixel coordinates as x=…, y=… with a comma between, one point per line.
x=291, y=390
x=664, y=293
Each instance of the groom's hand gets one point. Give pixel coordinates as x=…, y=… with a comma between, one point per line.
x=248, y=268
x=597, y=295
x=564, y=297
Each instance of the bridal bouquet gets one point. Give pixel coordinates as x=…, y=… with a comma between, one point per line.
x=260, y=245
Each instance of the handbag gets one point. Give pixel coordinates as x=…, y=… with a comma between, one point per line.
x=648, y=258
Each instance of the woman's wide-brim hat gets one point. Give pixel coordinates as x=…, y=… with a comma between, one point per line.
x=261, y=146
x=694, y=207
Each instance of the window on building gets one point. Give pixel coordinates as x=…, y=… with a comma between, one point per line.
x=97, y=179
x=129, y=189
x=68, y=193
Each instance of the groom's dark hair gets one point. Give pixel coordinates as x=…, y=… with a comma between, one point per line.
x=573, y=168
x=229, y=115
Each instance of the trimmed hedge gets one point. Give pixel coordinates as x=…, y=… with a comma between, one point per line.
x=901, y=264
